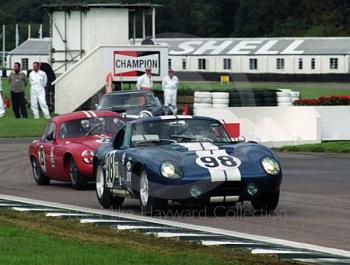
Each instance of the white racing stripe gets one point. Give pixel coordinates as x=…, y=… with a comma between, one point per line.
x=217, y=175
x=217, y=199
x=218, y=243
x=277, y=251
x=87, y=114
x=20, y=209
x=93, y=221
x=93, y=114
x=234, y=174
x=67, y=214
x=231, y=198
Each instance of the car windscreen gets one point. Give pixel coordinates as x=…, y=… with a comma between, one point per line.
x=181, y=130
x=128, y=100
x=89, y=126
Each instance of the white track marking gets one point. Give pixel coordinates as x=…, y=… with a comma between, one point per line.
x=137, y=227
x=169, y=234
x=22, y=209
x=276, y=251
x=325, y=260
x=219, y=243
x=9, y=205
x=199, y=228
x=92, y=221
x=67, y=214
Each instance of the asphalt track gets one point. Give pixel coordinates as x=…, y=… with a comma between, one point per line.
x=314, y=206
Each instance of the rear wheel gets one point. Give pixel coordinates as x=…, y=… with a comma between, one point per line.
x=38, y=175
x=78, y=180
x=267, y=201
x=104, y=196
x=148, y=203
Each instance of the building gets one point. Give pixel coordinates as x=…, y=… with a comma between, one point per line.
x=30, y=51
x=293, y=56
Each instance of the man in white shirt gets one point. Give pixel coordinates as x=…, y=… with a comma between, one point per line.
x=2, y=107
x=38, y=82
x=170, y=85
x=145, y=82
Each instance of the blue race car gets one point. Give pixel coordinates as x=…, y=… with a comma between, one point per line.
x=184, y=159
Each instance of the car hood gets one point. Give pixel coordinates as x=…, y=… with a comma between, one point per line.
x=156, y=111
x=91, y=142
x=247, y=156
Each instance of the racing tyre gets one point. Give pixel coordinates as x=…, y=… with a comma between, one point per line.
x=148, y=203
x=267, y=201
x=104, y=196
x=38, y=175
x=77, y=179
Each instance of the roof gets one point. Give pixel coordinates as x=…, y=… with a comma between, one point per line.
x=32, y=47
x=257, y=46
x=83, y=115
x=61, y=7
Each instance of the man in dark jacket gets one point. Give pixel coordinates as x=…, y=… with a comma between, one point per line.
x=18, y=81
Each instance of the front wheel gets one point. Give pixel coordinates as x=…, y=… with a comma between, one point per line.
x=267, y=201
x=77, y=179
x=104, y=196
x=148, y=203
x=38, y=174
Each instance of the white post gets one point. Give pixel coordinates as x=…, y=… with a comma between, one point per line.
x=143, y=25
x=154, y=23
x=29, y=31
x=17, y=35
x=41, y=31
x=3, y=44
x=134, y=28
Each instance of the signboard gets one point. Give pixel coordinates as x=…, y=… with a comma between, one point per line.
x=127, y=63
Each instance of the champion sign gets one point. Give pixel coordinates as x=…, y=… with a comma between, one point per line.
x=134, y=63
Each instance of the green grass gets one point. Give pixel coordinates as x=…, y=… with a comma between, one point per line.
x=34, y=239
x=325, y=147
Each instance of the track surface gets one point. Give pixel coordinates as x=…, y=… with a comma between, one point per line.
x=314, y=206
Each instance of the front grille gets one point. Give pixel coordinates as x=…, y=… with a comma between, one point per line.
x=227, y=188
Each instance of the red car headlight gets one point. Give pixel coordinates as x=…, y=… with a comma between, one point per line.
x=87, y=156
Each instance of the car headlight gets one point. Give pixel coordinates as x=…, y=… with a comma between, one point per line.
x=87, y=156
x=169, y=170
x=271, y=166
x=145, y=114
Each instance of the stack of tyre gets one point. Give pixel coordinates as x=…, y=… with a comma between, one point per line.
x=202, y=100
x=220, y=100
x=252, y=97
x=286, y=97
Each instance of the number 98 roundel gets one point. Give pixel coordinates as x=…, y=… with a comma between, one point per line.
x=218, y=160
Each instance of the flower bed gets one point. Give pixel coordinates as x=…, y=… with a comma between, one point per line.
x=324, y=101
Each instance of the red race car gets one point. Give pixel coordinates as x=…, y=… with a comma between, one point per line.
x=65, y=151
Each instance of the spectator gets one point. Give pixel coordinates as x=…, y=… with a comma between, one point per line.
x=145, y=82
x=18, y=81
x=38, y=82
x=170, y=85
x=148, y=40
x=2, y=107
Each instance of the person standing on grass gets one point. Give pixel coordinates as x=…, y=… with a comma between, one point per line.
x=170, y=85
x=2, y=107
x=145, y=82
x=18, y=82
x=38, y=82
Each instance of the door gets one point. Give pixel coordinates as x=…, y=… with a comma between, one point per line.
x=46, y=150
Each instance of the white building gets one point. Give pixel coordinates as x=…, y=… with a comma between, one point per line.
x=260, y=55
x=28, y=52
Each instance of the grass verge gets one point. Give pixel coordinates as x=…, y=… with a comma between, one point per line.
x=325, y=147
x=27, y=238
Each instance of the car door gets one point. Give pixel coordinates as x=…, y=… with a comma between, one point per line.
x=117, y=174
x=45, y=150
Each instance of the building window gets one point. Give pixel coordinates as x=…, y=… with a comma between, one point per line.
x=170, y=64
x=300, y=64
x=280, y=64
x=24, y=63
x=333, y=63
x=184, y=64
x=202, y=64
x=313, y=63
x=227, y=64
x=253, y=64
